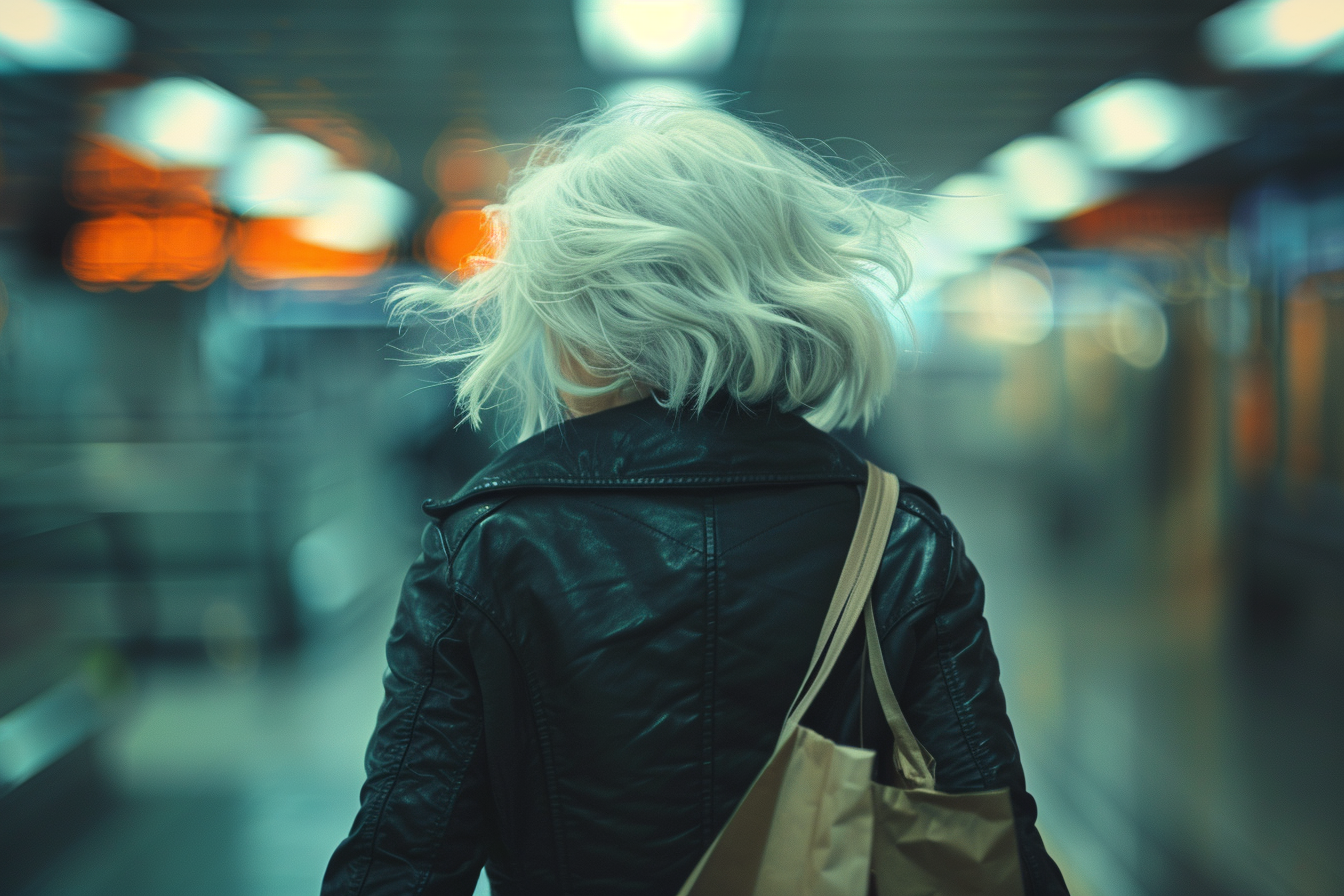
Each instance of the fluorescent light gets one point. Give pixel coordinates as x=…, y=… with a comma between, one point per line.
x=1274, y=33
x=662, y=36
x=61, y=35
x=182, y=121
x=360, y=212
x=1147, y=124
x=278, y=176
x=972, y=213
x=1046, y=177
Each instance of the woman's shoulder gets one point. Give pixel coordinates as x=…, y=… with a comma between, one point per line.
x=920, y=511
x=922, y=553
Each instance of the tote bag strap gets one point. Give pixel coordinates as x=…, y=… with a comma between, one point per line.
x=851, y=593
x=913, y=762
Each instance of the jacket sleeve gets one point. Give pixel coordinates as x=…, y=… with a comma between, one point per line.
x=418, y=829
x=956, y=708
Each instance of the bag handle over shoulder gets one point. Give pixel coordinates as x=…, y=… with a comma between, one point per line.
x=851, y=592
x=851, y=599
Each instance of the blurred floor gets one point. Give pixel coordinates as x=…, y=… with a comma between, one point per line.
x=231, y=785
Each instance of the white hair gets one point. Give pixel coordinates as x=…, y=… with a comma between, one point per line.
x=668, y=244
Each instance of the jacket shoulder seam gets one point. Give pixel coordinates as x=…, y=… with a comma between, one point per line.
x=481, y=512
x=953, y=683
x=943, y=542
x=912, y=505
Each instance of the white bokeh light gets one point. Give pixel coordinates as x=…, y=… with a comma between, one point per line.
x=1137, y=329
x=1001, y=304
x=1274, y=33
x=61, y=35
x=359, y=212
x=1046, y=177
x=1147, y=124
x=278, y=176
x=182, y=121
x=1128, y=123
x=658, y=36
x=971, y=213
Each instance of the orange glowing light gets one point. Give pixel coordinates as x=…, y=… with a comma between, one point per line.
x=149, y=225
x=1305, y=332
x=1254, y=418
x=468, y=166
x=266, y=253
x=117, y=248
x=459, y=241
x=189, y=250
x=1147, y=215
x=103, y=177
x=133, y=250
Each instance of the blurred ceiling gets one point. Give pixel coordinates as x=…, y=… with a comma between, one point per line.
x=934, y=85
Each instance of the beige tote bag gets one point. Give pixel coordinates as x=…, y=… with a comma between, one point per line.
x=814, y=823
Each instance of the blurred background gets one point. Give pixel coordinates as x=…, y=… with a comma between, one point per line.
x=1127, y=388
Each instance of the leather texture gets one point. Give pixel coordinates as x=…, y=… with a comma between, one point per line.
x=596, y=649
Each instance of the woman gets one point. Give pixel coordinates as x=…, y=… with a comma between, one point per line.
x=595, y=650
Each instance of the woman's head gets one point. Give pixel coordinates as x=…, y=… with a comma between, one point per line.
x=668, y=244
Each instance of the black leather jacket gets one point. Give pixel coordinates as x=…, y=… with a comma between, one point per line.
x=595, y=651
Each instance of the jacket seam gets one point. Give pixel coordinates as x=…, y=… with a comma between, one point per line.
x=654, y=480
x=543, y=734
x=640, y=522
x=482, y=512
x=711, y=638
x=923, y=598
x=936, y=523
x=783, y=522
x=401, y=763
x=955, y=693
x=705, y=479
x=447, y=814
x=918, y=603
x=953, y=683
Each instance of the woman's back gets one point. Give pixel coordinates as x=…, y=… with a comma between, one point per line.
x=593, y=658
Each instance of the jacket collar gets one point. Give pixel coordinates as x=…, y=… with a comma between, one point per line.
x=643, y=445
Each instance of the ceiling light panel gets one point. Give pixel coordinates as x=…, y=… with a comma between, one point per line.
x=658, y=36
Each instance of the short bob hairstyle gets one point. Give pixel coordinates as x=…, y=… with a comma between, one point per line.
x=667, y=244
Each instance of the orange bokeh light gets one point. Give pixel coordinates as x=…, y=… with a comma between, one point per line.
x=1254, y=419
x=1148, y=215
x=466, y=166
x=266, y=253
x=1306, y=331
x=129, y=249
x=149, y=225
x=459, y=242
x=102, y=177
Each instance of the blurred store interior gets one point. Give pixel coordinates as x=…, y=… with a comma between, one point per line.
x=1126, y=386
